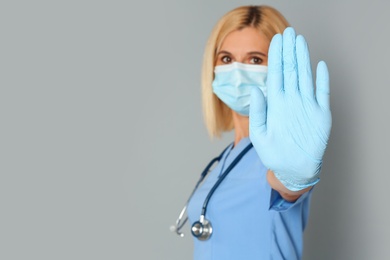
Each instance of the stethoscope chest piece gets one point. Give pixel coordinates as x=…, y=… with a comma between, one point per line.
x=202, y=229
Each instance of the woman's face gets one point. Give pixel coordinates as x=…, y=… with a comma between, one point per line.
x=247, y=45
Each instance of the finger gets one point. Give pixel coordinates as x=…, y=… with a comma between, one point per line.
x=322, y=83
x=257, y=114
x=289, y=62
x=275, y=68
x=305, y=76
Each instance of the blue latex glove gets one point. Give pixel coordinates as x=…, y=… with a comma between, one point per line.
x=291, y=129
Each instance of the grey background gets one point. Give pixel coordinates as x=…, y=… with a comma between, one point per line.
x=102, y=138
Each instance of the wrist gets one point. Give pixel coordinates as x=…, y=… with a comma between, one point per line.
x=286, y=193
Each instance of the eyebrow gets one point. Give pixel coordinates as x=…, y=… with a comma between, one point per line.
x=258, y=53
x=250, y=53
x=223, y=52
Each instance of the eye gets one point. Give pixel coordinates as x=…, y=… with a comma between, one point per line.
x=226, y=59
x=256, y=60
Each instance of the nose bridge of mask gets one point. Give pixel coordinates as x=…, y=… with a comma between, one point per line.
x=241, y=73
x=240, y=66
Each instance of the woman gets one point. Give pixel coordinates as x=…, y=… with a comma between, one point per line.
x=254, y=204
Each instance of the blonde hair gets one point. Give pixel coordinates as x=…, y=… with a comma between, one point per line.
x=218, y=116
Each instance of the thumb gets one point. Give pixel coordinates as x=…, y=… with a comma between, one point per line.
x=322, y=91
x=257, y=114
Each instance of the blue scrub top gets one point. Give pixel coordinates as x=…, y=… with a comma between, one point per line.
x=250, y=220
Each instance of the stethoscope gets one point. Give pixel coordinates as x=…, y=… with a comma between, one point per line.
x=202, y=229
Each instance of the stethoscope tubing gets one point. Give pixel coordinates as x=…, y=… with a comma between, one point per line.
x=179, y=223
x=223, y=176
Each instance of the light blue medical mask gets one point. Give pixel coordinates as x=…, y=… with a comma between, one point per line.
x=233, y=84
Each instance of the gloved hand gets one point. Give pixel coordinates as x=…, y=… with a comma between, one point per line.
x=290, y=129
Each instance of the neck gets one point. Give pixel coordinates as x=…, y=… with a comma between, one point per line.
x=241, y=127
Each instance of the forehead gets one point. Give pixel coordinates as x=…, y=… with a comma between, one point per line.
x=244, y=40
